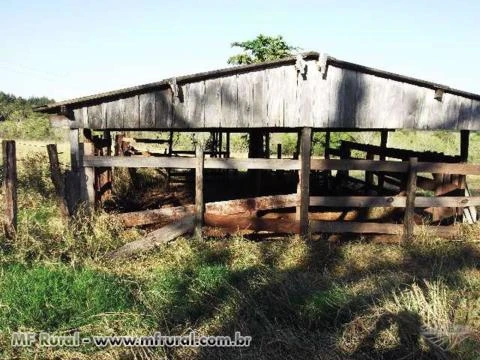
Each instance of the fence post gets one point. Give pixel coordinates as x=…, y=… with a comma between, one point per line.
x=304, y=180
x=57, y=178
x=369, y=175
x=10, y=188
x=383, y=145
x=87, y=175
x=409, y=221
x=199, y=205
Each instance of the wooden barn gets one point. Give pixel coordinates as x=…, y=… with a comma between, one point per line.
x=303, y=94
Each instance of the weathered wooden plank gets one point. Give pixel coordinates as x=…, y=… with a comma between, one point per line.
x=408, y=219
x=147, y=110
x=180, y=108
x=80, y=117
x=319, y=97
x=366, y=165
x=275, y=96
x=267, y=164
x=259, y=99
x=213, y=102
x=474, y=123
x=318, y=226
x=358, y=201
x=57, y=178
x=196, y=104
x=164, y=109
x=114, y=114
x=392, y=113
x=139, y=162
x=131, y=113
x=393, y=201
x=155, y=238
x=10, y=188
x=245, y=100
x=445, y=168
x=148, y=217
x=229, y=102
x=347, y=99
x=97, y=116
x=199, y=203
x=87, y=190
x=239, y=207
x=304, y=98
x=447, y=201
x=304, y=179
x=251, y=205
x=369, y=97
x=290, y=108
x=233, y=224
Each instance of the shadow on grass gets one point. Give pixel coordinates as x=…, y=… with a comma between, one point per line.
x=297, y=310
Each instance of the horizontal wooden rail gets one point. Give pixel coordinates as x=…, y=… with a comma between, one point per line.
x=393, y=201
x=188, y=163
x=366, y=165
x=281, y=164
x=400, y=153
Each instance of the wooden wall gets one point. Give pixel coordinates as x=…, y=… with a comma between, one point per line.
x=282, y=97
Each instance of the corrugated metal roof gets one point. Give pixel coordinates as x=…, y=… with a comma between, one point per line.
x=331, y=61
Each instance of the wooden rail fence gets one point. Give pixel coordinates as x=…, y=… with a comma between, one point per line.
x=410, y=168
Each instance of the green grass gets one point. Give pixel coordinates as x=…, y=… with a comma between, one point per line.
x=57, y=297
x=348, y=299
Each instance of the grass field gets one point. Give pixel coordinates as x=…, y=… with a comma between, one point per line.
x=329, y=298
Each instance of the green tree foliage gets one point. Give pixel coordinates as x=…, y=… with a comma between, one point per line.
x=17, y=108
x=262, y=48
x=18, y=120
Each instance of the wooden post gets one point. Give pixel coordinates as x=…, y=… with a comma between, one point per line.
x=326, y=155
x=368, y=175
x=57, y=179
x=304, y=180
x=227, y=155
x=279, y=151
x=199, y=204
x=255, y=150
x=409, y=221
x=345, y=154
x=87, y=175
x=383, y=145
x=10, y=188
x=464, y=146
x=72, y=177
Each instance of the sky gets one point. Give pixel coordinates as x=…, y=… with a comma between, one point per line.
x=67, y=49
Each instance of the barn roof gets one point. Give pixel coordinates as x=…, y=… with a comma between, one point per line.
x=311, y=55
x=307, y=90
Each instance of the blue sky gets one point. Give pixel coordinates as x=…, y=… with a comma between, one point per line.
x=65, y=49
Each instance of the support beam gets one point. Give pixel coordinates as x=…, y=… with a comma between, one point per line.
x=87, y=177
x=383, y=147
x=199, y=204
x=408, y=221
x=57, y=179
x=10, y=188
x=227, y=150
x=304, y=180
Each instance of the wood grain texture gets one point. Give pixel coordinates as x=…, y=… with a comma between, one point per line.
x=10, y=188
x=245, y=100
x=213, y=103
x=147, y=110
x=281, y=97
x=155, y=238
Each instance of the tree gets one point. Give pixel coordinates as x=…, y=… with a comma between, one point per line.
x=262, y=48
